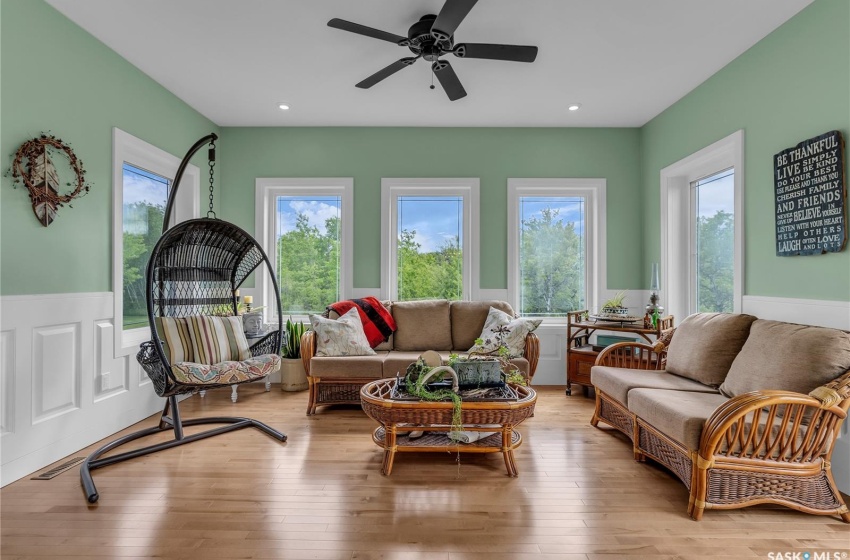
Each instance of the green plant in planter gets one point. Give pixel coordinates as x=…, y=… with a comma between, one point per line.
x=292, y=346
x=413, y=380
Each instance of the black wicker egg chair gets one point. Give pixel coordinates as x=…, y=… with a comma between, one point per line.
x=194, y=270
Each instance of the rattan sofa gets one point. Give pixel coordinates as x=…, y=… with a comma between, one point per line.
x=441, y=325
x=792, y=378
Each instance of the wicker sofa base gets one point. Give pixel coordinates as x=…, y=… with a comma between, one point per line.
x=327, y=390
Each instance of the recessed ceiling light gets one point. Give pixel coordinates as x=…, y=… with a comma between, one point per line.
x=574, y=107
x=283, y=106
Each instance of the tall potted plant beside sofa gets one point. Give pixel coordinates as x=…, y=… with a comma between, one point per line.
x=293, y=376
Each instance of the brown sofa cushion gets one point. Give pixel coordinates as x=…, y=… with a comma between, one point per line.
x=422, y=325
x=705, y=345
x=348, y=366
x=679, y=415
x=468, y=320
x=788, y=357
x=617, y=382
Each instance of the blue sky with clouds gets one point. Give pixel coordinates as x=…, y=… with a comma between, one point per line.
x=316, y=208
x=143, y=186
x=570, y=209
x=434, y=219
x=715, y=193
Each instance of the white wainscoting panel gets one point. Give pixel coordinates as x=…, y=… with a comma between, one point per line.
x=55, y=371
x=7, y=382
x=834, y=314
x=62, y=386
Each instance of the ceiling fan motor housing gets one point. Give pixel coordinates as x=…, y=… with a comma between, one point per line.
x=422, y=41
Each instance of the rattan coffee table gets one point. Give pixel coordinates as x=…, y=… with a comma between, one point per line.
x=397, y=418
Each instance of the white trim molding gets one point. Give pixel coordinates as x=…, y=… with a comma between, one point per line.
x=267, y=189
x=467, y=188
x=594, y=191
x=126, y=148
x=677, y=216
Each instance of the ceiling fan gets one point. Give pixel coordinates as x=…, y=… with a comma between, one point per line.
x=432, y=37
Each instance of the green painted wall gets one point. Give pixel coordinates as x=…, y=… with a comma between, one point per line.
x=493, y=154
x=792, y=85
x=58, y=78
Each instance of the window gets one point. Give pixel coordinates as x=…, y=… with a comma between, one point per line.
x=714, y=242
x=145, y=196
x=555, y=244
x=306, y=228
x=429, y=245
x=702, y=251
x=142, y=179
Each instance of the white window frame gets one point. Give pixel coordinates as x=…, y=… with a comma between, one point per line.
x=127, y=148
x=594, y=191
x=678, y=222
x=267, y=190
x=467, y=188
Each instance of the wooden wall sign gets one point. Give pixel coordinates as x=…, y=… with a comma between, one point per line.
x=811, y=197
x=34, y=167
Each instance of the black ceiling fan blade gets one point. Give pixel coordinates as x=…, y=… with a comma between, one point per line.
x=363, y=30
x=448, y=79
x=515, y=53
x=450, y=17
x=386, y=72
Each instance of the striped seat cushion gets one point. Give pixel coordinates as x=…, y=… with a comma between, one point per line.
x=217, y=339
x=175, y=338
x=202, y=339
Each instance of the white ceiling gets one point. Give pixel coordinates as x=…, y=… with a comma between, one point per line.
x=625, y=61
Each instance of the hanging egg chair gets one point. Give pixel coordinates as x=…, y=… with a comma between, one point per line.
x=197, y=342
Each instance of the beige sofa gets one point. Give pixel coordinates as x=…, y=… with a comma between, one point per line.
x=441, y=325
x=742, y=410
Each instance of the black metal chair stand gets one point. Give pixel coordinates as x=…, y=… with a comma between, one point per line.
x=195, y=269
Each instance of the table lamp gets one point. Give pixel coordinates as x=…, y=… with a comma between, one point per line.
x=654, y=287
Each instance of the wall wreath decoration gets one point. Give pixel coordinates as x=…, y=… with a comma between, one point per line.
x=33, y=167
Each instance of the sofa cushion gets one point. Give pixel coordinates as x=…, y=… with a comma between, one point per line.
x=348, y=366
x=617, y=382
x=788, y=357
x=705, y=345
x=468, y=319
x=680, y=415
x=341, y=337
x=422, y=325
x=502, y=329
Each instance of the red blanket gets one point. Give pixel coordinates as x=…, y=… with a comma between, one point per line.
x=378, y=324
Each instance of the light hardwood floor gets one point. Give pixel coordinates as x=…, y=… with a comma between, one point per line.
x=579, y=495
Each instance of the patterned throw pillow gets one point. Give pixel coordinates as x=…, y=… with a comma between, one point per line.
x=341, y=337
x=175, y=337
x=512, y=332
x=217, y=339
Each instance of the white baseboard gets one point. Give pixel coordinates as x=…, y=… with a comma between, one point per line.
x=832, y=314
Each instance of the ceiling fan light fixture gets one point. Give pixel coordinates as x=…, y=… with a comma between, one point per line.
x=283, y=106
x=574, y=106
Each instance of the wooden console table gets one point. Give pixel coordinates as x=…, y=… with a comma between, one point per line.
x=397, y=418
x=580, y=354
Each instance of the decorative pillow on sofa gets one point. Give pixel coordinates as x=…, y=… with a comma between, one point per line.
x=217, y=339
x=341, y=337
x=705, y=345
x=787, y=357
x=512, y=332
x=378, y=323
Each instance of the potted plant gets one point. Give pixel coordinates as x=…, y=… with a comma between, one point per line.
x=293, y=376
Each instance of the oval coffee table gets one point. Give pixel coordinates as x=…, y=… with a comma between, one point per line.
x=398, y=417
